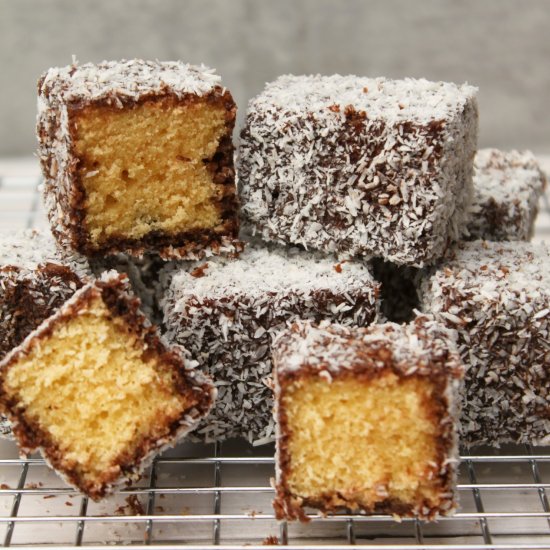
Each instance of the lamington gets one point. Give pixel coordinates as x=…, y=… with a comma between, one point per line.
x=227, y=312
x=507, y=188
x=359, y=166
x=367, y=419
x=137, y=157
x=97, y=391
x=496, y=295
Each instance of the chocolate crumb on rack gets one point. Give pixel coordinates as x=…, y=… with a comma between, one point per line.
x=507, y=189
x=367, y=419
x=98, y=392
x=359, y=166
x=497, y=297
x=226, y=312
x=137, y=157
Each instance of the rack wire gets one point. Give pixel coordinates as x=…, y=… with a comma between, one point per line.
x=219, y=496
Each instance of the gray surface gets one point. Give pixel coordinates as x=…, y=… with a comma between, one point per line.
x=502, y=46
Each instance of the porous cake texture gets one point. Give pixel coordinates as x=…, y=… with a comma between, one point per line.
x=367, y=419
x=497, y=297
x=507, y=188
x=137, y=156
x=97, y=391
x=227, y=312
x=359, y=166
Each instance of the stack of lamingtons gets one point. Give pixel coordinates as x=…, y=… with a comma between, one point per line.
x=366, y=298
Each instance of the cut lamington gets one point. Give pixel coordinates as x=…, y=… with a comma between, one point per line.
x=97, y=391
x=497, y=296
x=507, y=188
x=137, y=156
x=367, y=419
x=364, y=166
x=227, y=312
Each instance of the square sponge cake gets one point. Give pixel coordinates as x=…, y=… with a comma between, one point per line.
x=367, y=419
x=97, y=391
x=138, y=156
x=359, y=166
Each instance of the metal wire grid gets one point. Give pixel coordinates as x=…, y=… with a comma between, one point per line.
x=220, y=496
x=205, y=496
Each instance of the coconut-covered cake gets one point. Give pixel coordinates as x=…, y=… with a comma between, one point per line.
x=507, y=188
x=497, y=297
x=359, y=166
x=137, y=156
x=367, y=419
x=227, y=312
x=97, y=391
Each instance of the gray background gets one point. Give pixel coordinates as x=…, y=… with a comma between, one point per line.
x=502, y=46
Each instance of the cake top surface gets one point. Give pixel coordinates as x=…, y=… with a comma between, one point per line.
x=260, y=270
x=507, y=175
x=28, y=249
x=421, y=347
x=392, y=100
x=133, y=79
x=491, y=268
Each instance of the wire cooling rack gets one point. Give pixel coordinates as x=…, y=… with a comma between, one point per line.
x=220, y=495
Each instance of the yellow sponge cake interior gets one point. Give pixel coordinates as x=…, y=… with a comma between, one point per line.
x=145, y=168
x=366, y=440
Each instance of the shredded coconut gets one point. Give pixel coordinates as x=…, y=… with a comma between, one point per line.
x=497, y=297
x=507, y=188
x=227, y=312
x=359, y=166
